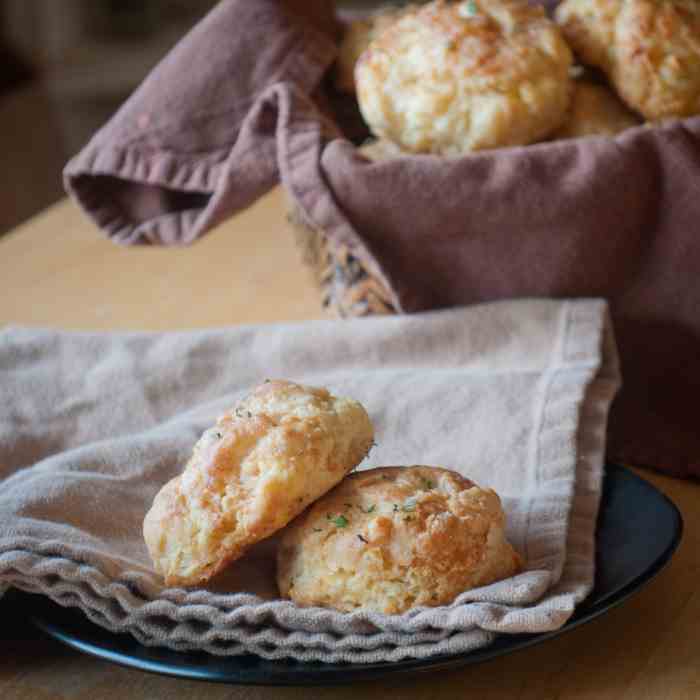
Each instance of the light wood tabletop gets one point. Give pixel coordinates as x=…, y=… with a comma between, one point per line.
x=58, y=271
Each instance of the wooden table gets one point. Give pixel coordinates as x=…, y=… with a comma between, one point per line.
x=56, y=270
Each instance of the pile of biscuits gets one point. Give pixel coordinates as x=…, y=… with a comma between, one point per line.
x=385, y=539
x=449, y=78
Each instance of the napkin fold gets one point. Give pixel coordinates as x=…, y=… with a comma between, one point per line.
x=243, y=103
x=514, y=395
x=195, y=143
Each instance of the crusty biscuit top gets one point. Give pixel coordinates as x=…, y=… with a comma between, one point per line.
x=452, y=77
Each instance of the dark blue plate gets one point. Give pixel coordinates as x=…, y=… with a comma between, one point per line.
x=638, y=531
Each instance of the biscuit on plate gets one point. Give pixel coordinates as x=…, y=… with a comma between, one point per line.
x=595, y=111
x=357, y=37
x=650, y=50
x=393, y=538
x=275, y=452
x=449, y=78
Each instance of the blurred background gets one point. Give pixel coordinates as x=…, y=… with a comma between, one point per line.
x=66, y=66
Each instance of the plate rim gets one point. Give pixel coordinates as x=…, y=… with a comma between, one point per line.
x=314, y=673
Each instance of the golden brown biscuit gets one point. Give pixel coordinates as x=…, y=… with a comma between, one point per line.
x=357, y=37
x=595, y=111
x=650, y=50
x=393, y=538
x=275, y=452
x=455, y=77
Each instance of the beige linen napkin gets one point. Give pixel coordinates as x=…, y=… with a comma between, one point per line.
x=514, y=395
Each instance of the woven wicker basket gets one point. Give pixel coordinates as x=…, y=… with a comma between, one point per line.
x=347, y=288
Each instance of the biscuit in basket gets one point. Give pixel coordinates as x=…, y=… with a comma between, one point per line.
x=357, y=37
x=650, y=50
x=393, y=538
x=595, y=111
x=449, y=78
x=378, y=150
x=276, y=452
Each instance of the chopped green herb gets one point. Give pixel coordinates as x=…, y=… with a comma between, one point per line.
x=472, y=8
x=409, y=506
x=396, y=507
x=369, y=509
x=362, y=539
x=341, y=521
x=218, y=435
x=318, y=529
x=428, y=484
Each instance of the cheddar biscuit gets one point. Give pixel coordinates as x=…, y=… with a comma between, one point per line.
x=595, y=111
x=393, y=538
x=275, y=452
x=650, y=50
x=449, y=78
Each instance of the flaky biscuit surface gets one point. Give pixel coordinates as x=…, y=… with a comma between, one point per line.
x=449, y=78
x=650, y=50
x=278, y=450
x=392, y=538
x=595, y=111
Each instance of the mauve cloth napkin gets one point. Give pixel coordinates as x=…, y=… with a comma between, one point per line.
x=236, y=107
x=514, y=394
